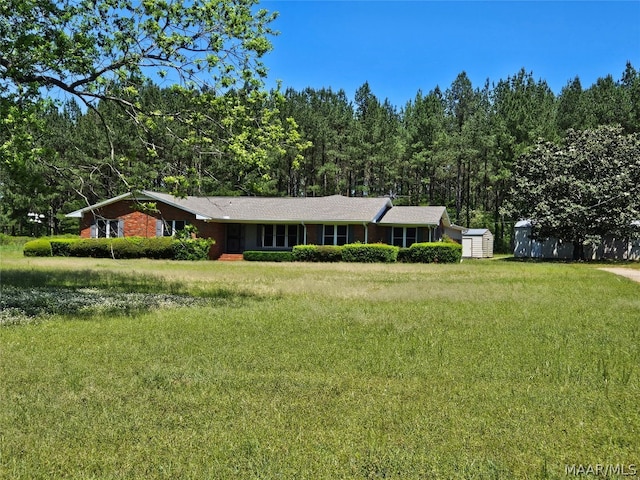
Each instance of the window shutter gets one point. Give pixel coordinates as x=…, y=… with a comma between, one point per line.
x=94, y=229
x=159, y=231
x=350, y=233
x=120, y=228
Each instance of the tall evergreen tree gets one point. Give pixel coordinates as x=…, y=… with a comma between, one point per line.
x=421, y=172
x=572, y=107
x=462, y=104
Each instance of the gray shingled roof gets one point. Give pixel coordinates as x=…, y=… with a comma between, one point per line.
x=332, y=209
x=335, y=208
x=415, y=216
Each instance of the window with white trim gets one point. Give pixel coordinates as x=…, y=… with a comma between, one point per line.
x=279, y=236
x=171, y=227
x=107, y=228
x=334, y=234
x=404, y=236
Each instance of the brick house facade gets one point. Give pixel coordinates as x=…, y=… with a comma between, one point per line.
x=256, y=223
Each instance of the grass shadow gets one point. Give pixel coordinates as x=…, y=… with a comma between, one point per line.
x=25, y=294
x=140, y=283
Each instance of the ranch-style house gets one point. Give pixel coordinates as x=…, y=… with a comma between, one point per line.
x=266, y=223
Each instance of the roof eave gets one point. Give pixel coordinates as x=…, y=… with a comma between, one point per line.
x=408, y=224
x=313, y=221
x=80, y=213
x=153, y=196
x=445, y=217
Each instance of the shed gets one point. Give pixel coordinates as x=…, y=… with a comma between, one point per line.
x=477, y=243
x=551, y=248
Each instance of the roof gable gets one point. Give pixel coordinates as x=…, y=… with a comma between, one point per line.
x=80, y=213
x=415, y=216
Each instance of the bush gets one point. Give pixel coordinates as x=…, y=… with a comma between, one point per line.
x=305, y=253
x=10, y=240
x=129, y=247
x=435, y=252
x=369, y=253
x=191, y=248
x=329, y=253
x=60, y=247
x=269, y=256
x=136, y=247
x=317, y=253
x=92, y=247
x=160, y=248
x=40, y=247
x=404, y=254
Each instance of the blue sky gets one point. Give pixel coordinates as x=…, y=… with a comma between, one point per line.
x=401, y=47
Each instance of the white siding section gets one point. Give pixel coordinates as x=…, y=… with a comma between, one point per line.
x=477, y=243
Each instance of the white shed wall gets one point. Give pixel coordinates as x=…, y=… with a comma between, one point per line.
x=477, y=246
x=610, y=248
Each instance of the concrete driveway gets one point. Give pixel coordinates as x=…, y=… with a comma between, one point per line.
x=631, y=273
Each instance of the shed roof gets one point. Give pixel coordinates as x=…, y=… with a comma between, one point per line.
x=476, y=232
x=523, y=224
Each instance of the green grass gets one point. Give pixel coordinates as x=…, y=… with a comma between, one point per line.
x=488, y=369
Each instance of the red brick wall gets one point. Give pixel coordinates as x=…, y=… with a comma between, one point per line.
x=312, y=234
x=377, y=234
x=217, y=231
x=139, y=224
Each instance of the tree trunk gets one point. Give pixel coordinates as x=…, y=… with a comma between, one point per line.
x=578, y=251
x=459, y=189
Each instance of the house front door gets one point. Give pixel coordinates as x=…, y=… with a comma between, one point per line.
x=235, y=238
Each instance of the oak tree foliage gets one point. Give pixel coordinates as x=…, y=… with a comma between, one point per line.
x=105, y=54
x=581, y=189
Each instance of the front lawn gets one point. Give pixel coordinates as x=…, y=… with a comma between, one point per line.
x=486, y=369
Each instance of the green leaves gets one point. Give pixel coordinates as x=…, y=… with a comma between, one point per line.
x=585, y=187
x=92, y=48
x=106, y=53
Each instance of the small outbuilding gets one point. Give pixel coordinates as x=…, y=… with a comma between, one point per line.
x=477, y=243
x=609, y=247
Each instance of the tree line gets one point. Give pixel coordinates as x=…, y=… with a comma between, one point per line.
x=454, y=147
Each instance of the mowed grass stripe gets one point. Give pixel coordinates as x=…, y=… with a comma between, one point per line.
x=478, y=370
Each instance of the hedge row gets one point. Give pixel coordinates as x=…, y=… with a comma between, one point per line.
x=317, y=253
x=130, y=247
x=434, y=252
x=198, y=249
x=369, y=253
x=267, y=256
